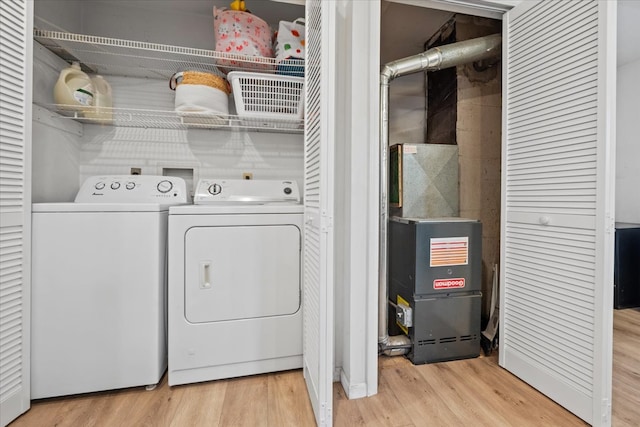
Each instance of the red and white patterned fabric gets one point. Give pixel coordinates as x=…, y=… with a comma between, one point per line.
x=241, y=33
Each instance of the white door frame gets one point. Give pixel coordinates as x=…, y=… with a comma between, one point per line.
x=371, y=68
x=493, y=9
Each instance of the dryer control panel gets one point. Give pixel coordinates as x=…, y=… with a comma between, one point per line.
x=133, y=189
x=242, y=191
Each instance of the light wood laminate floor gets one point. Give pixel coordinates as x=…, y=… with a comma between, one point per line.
x=626, y=368
x=468, y=392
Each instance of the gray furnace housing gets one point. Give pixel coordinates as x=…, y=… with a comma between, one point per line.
x=435, y=267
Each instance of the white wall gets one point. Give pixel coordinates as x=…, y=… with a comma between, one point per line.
x=65, y=152
x=58, y=15
x=628, y=113
x=211, y=153
x=628, y=143
x=56, y=141
x=356, y=172
x=160, y=21
x=133, y=21
x=627, y=40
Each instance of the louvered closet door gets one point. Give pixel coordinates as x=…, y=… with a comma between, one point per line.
x=15, y=207
x=557, y=204
x=318, y=200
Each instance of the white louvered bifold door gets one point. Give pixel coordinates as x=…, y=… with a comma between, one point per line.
x=318, y=201
x=15, y=205
x=557, y=202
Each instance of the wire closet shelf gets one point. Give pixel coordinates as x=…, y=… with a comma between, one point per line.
x=144, y=59
x=140, y=118
x=110, y=56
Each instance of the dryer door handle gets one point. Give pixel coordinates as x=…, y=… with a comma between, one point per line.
x=205, y=274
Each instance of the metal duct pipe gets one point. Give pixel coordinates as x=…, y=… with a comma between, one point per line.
x=433, y=59
x=446, y=56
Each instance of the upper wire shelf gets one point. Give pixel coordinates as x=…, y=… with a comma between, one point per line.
x=130, y=58
x=109, y=56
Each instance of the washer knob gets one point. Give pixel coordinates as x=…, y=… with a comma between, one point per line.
x=130, y=185
x=165, y=186
x=215, y=189
x=287, y=190
x=115, y=185
x=99, y=185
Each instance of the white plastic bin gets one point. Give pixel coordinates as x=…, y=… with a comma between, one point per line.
x=268, y=97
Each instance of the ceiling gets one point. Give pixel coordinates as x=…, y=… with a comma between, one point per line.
x=405, y=29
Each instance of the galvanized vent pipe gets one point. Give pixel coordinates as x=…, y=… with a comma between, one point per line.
x=433, y=59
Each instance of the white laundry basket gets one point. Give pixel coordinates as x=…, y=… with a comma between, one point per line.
x=268, y=97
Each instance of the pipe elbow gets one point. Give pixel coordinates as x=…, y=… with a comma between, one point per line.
x=387, y=74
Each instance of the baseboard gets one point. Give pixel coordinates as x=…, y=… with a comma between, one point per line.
x=354, y=391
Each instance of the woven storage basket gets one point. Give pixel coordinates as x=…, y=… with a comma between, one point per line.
x=206, y=79
x=200, y=94
x=266, y=96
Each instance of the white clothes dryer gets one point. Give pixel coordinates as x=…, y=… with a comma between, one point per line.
x=99, y=286
x=235, y=281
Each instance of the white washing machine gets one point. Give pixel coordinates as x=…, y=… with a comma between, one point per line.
x=98, y=282
x=235, y=281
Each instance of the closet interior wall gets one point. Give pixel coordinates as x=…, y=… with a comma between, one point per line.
x=65, y=152
x=478, y=110
x=479, y=139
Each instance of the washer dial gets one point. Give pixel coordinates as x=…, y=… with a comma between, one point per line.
x=165, y=186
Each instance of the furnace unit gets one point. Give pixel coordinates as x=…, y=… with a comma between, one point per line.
x=435, y=286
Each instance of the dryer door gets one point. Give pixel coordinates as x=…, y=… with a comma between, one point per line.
x=241, y=272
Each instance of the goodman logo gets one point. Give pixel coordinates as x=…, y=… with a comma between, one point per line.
x=448, y=283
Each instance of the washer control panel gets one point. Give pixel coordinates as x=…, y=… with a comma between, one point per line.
x=243, y=191
x=133, y=189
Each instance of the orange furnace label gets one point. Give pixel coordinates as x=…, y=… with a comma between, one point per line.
x=449, y=251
